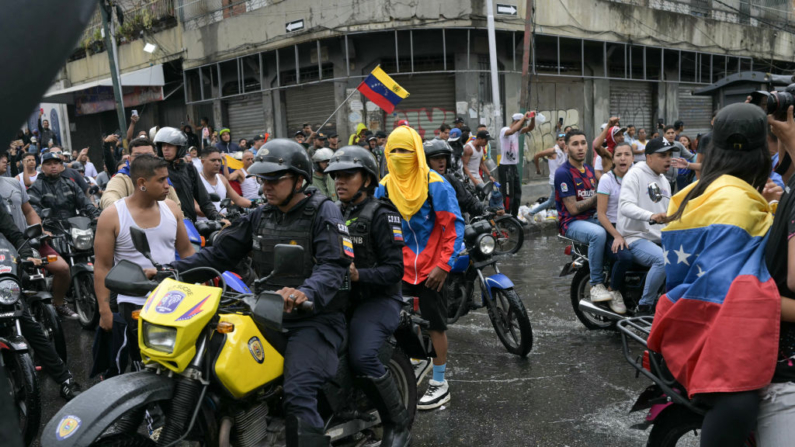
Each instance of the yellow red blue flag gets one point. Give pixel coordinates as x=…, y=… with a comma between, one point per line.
x=382, y=90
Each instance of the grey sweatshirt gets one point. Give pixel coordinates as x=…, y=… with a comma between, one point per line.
x=635, y=207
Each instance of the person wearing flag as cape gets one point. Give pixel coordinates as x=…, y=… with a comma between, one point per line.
x=432, y=228
x=718, y=324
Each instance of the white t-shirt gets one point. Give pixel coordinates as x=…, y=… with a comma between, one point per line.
x=555, y=164
x=640, y=146
x=21, y=179
x=91, y=171
x=610, y=186
x=597, y=163
x=509, y=147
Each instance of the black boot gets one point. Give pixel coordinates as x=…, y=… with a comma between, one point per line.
x=383, y=393
x=301, y=434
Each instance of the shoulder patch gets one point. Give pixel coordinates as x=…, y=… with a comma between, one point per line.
x=397, y=233
x=564, y=187
x=393, y=219
x=347, y=247
x=342, y=228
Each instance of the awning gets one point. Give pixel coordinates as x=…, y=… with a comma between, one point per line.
x=147, y=77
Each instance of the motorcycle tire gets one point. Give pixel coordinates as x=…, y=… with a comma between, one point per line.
x=403, y=375
x=125, y=440
x=45, y=315
x=458, y=293
x=674, y=424
x=511, y=232
x=21, y=373
x=86, y=300
x=511, y=322
x=580, y=288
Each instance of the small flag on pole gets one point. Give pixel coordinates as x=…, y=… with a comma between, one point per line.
x=232, y=163
x=382, y=90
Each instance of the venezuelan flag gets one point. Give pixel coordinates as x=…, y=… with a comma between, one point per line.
x=382, y=90
x=232, y=163
x=718, y=324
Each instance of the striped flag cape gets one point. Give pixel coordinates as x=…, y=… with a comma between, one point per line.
x=718, y=324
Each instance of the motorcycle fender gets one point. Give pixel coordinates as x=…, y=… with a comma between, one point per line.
x=648, y=398
x=84, y=418
x=567, y=270
x=40, y=296
x=409, y=339
x=80, y=268
x=498, y=281
x=14, y=343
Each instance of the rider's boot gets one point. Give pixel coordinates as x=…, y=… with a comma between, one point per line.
x=301, y=434
x=383, y=393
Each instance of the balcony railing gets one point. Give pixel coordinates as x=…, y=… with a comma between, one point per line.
x=138, y=16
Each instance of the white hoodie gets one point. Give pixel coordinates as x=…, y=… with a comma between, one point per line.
x=635, y=207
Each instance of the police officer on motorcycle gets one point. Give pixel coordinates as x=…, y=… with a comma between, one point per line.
x=184, y=178
x=61, y=195
x=299, y=216
x=376, y=272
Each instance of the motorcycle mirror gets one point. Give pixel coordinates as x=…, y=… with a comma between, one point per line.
x=654, y=192
x=141, y=243
x=128, y=278
x=226, y=202
x=214, y=197
x=33, y=231
x=268, y=310
x=46, y=213
x=287, y=260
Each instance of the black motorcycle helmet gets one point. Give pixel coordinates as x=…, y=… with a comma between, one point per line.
x=280, y=155
x=437, y=148
x=351, y=158
x=170, y=135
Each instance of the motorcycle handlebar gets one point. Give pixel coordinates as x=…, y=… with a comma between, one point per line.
x=306, y=306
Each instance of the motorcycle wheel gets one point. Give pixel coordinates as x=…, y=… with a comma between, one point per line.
x=580, y=290
x=403, y=375
x=511, y=322
x=86, y=300
x=675, y=424
x=509, y=234
x=125, y=440
x=48, y=320
x=458, y=294
x=24, y=385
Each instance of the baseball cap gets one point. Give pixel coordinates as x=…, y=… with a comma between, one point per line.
x=403, y=123
x=372, y=139
x=455, y=134
x=658, y=145
x=484, y=134
x=333, y=135
x=615, y=130
x=51, y=156
x=33, y=139
x=380, y=134
x=458, y=120
x=299, y=133
x=321, y=136
x=516, y=116
x=258, y=137
x=740, y=127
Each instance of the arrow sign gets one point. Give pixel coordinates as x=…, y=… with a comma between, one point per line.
x=295, y=26
x=508, y=10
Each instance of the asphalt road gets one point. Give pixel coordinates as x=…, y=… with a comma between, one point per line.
x=574, y=389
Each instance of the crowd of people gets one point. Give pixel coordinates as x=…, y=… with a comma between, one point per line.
x=383, y=217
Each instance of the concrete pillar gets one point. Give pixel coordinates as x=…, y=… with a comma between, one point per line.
x=279, y=115
x=267, y=112
x=601, y=105
x=218, y=114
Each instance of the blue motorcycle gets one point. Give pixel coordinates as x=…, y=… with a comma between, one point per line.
x=232, y=279
x=506, y=310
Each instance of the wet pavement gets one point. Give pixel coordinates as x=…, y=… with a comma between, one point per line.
x=574, y=389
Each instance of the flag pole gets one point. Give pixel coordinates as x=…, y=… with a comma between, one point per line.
x=338, y=108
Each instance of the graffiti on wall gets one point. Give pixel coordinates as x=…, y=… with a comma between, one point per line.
x=632, y=109
x=423, y=120
x=543, y=136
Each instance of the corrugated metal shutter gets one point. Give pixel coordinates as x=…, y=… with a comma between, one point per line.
x=695, y=111
x=632, y=102
x=311, y=104
x=246, y=117
x=431, y=102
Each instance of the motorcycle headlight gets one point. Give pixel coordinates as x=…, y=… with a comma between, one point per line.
x=82, y=239
x=486, y=244
x=9, y=292
x=160, y=338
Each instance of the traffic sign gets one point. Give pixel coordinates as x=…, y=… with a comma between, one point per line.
x=508, y=10
x=296, y=25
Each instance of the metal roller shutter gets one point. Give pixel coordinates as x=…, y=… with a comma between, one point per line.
x=695, y=111
x=431, y=102
x=632, y=102
x=311, y=104
x=246, y=117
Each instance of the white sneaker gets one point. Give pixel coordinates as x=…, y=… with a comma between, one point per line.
x=437, y=395
x=599, y=293
x=617, y=305
x=421, y=368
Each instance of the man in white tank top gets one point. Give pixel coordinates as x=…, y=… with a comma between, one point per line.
x=161, y=220
x=248, y=185
x=473, y=158
x=215, y=183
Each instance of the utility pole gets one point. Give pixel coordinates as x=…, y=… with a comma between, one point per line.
x=524, y=92
x=495, y=79
x=110, y=46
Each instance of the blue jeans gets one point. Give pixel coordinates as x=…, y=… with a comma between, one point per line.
x=646, y=252
x=550, y=203
x=622, y=261
x=589, y=232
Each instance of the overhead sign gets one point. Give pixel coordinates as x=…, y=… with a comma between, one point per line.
x=295, y=25
x=508, y=10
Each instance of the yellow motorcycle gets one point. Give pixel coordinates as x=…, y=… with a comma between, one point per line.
x=211, y=377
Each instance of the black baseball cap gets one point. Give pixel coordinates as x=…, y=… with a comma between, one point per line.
x=458, y=120
x=659, y=145
x=332, y=135
x=484, y=134
x=258, y=137
x=321, y=136
x=299, y=133
x=380, y=134
x=740, y=127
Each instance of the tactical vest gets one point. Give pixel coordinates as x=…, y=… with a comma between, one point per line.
x=360, y=223
x=294, y=228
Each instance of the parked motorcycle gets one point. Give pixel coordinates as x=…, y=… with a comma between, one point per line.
x=674, y=418
x=506, y=310
x=213, y=375
x=506, y=229
x=74, y=241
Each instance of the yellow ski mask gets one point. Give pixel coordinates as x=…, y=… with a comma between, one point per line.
x=407, y=181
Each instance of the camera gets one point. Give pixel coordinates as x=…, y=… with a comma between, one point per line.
x=775, y=103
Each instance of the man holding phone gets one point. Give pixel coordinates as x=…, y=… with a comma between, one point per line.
x=510, y=186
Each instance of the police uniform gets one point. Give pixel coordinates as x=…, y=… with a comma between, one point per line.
x=312, y=339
